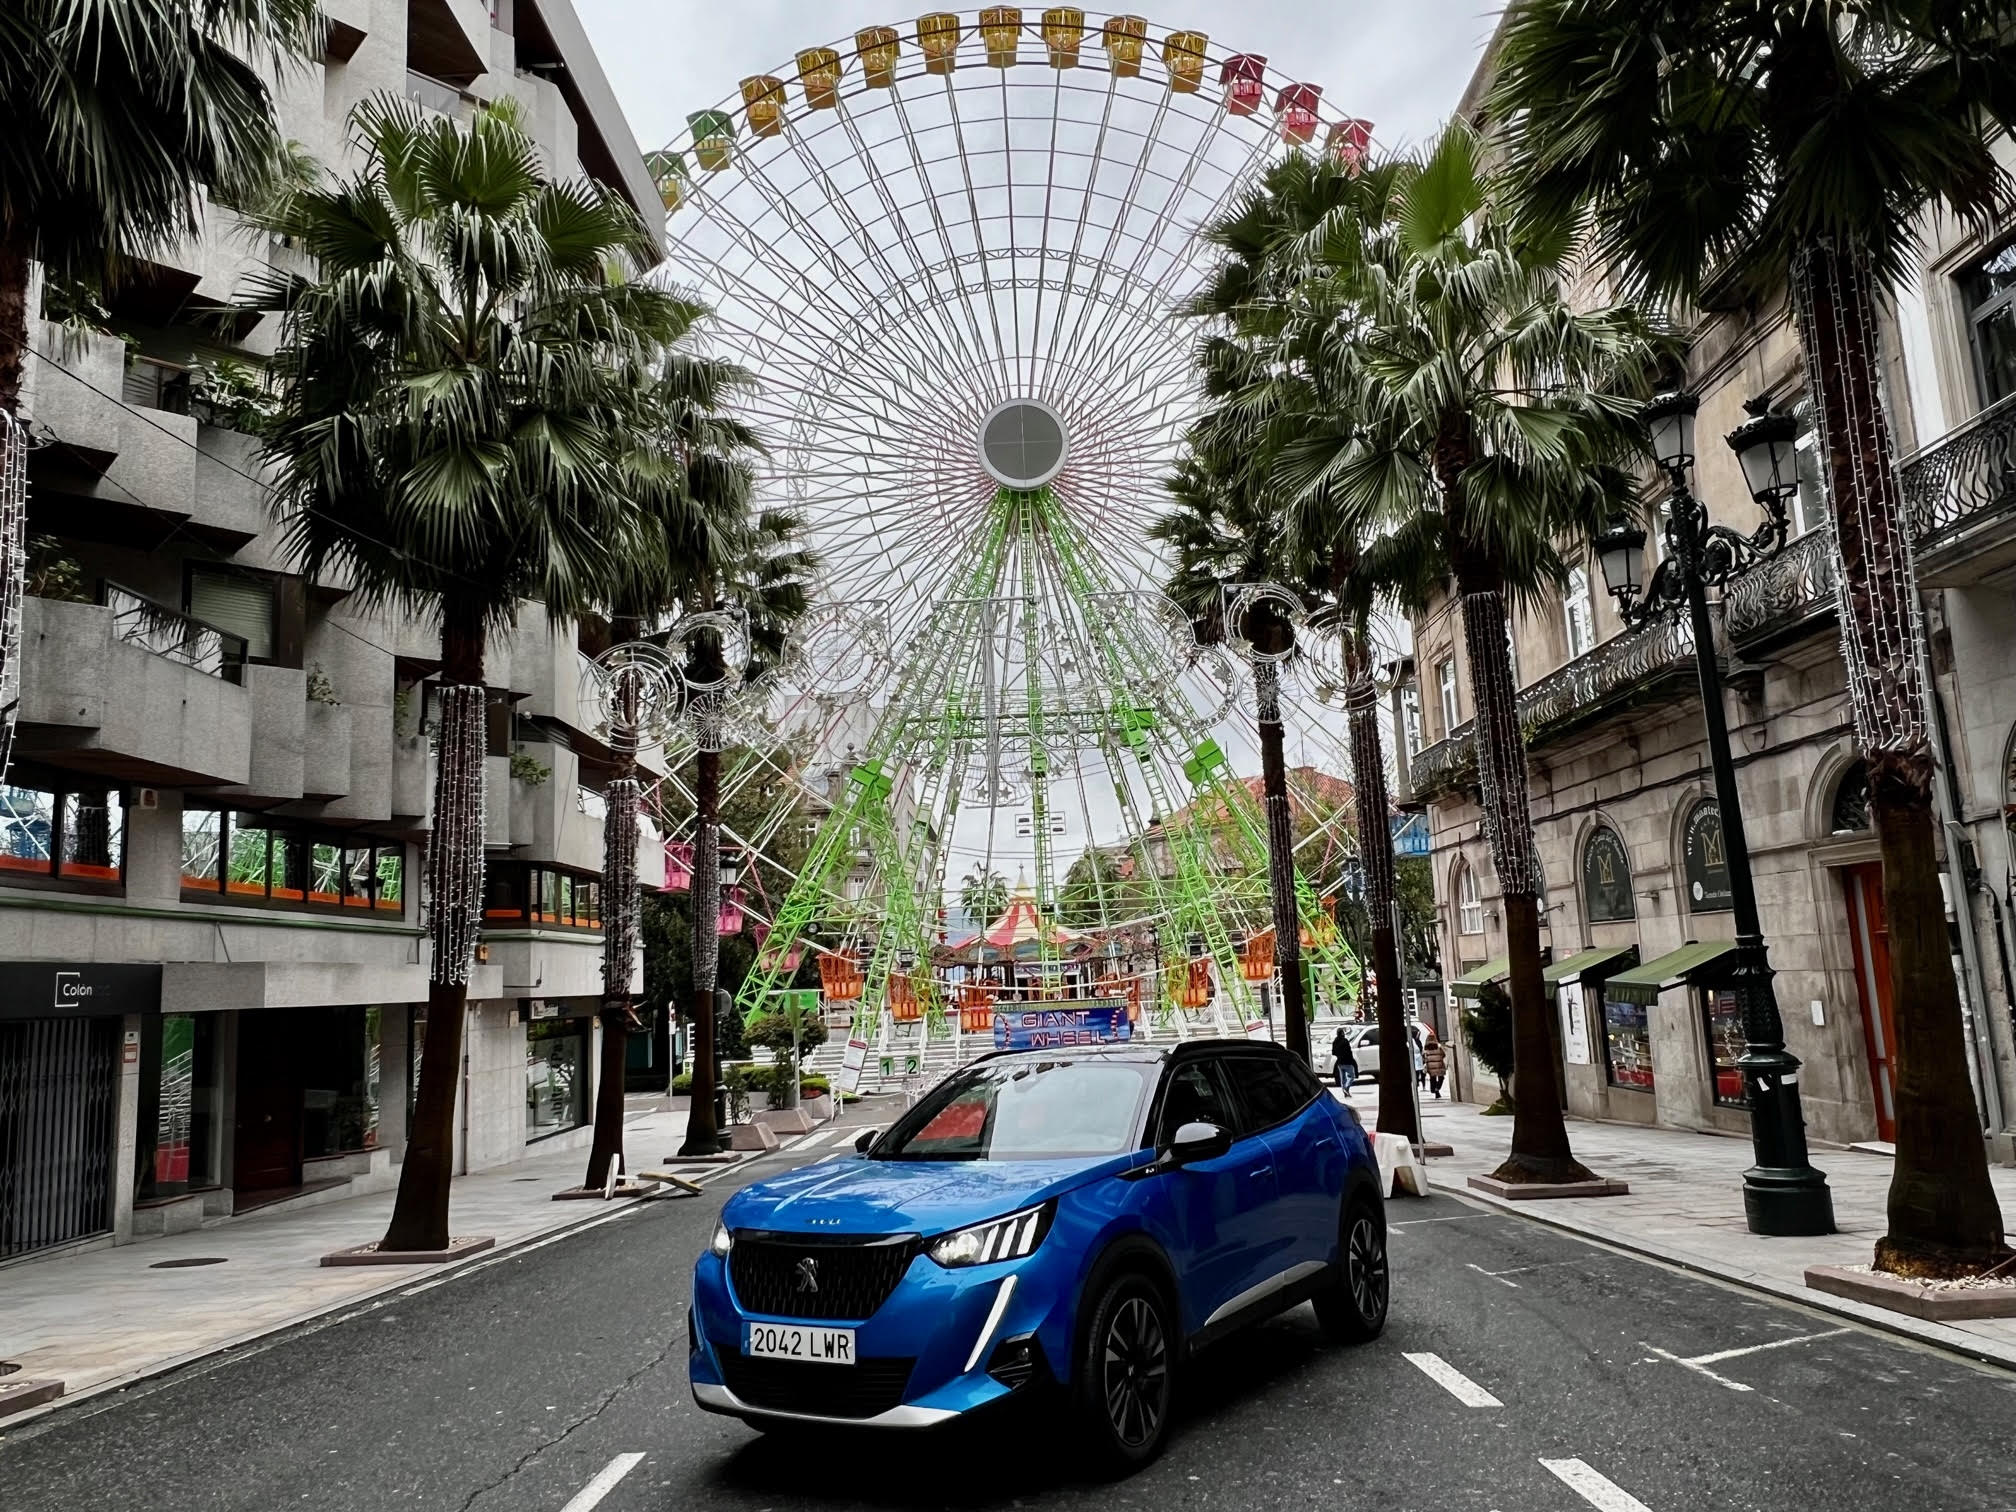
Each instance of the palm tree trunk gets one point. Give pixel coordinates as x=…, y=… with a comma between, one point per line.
x=1943, y=1216
x=14, y=317
x=619, y=947
x=455, y=888
x=1540, y=1151
x=1375, y=849
x=1281, y=858
x=702, y=1131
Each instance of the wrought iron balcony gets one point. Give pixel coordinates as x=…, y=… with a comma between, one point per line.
x=1784, y=592
x=1964, y=480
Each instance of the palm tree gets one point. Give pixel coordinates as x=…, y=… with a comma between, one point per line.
x=1794, y=147
x=457, y=388
x=755, y=568
x=676, y=467
x=1463, y=402
x=983, y=896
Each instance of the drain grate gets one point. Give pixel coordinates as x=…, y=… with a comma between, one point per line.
x=191, y=1262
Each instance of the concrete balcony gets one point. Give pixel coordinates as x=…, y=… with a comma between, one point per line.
x=279, y=732
x=1960, y=500
x=412, y=780
x=133, y=691
x=326, y=769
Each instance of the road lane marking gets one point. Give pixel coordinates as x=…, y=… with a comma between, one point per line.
x=1498, y=1276
x=1452, y=1380
x=1593, y=1486
x=591, y=1494
x=1734, y=1354
x=1694, y=1365
x=1456, y=1218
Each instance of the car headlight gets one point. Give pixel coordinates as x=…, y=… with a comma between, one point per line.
x=723, y=1241
x=1009, y=1238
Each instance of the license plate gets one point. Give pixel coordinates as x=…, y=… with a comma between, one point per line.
x=818, y=1346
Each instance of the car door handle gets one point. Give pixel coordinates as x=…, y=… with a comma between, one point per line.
x=1261, y=1171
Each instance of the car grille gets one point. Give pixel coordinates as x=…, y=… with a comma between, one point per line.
x=841, y=1391
x=852, y=1277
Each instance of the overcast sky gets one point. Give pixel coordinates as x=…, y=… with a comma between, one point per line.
x=1398, y=63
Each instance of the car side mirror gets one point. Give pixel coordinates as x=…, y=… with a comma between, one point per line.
x=864, y=1139
x=1198, y=1141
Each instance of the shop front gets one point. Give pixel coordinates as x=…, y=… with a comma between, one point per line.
x=308, y=1086
x=559, y=1066
x=1685, y=1050
x=67, y=1033
x=1606, y=1045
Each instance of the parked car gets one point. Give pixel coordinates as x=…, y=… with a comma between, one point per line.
x=1074, y=1224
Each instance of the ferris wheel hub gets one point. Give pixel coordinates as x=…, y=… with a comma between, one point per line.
x=1023, y=443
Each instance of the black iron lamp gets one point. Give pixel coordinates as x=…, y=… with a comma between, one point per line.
x=1670, y=419
x=1621, y=552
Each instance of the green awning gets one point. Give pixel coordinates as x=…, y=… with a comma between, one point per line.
x=1586, y=963
x=1471, y=983
x=1643, y=984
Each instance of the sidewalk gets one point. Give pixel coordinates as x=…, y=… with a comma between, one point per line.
x=1685, y=1207
x=102, y=1318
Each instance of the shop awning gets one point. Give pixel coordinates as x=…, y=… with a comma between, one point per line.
x=1588, y=963
x=1471, y=983
x=1704, y=959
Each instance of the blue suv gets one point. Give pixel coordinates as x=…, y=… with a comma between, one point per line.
x=1079, y=1220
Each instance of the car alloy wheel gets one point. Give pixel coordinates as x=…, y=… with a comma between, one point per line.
x=1365, y=1267
x=1134, y=1366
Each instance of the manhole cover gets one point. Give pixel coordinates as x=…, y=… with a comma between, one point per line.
x=193, y=1260
x=8, y=1367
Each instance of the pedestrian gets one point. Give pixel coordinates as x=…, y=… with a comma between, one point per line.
x=1340, y=1055
x=1414, y=1048
x=1436, y=1059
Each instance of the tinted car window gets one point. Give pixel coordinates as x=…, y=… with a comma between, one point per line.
x=1025, y=1110
x=1267, y=1089
x=1194, y=1095
x=1369, y=1037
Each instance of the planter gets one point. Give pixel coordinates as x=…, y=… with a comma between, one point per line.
x=1920, y=1299
x=818, y=1107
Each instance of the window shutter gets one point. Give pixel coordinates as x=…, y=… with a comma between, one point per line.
x=241, y=605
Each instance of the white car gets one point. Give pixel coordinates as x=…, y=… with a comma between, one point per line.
x=1364, y=1063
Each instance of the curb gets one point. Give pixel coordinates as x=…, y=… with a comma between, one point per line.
x=361, y=1300
x=1881, y=1320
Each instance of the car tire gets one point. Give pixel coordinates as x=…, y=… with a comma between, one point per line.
x=1123, y=1388
x=1352, y=1308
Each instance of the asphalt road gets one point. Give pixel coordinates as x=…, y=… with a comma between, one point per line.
x=1522, y=1370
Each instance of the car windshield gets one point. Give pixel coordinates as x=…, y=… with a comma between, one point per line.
x=1026, y=1110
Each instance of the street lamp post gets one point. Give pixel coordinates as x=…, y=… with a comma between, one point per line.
x=1783, y=1194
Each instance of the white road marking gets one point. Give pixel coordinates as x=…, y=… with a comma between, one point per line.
x=1498, y=1276
x=1696, y=1366
x=1457, y=1218
x=1732, y=1354
x=591, y=1494
x=1452, y=1380
x=816, y=1137
x=1594, y=1487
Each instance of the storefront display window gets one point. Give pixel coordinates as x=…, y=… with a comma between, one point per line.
x=252, y=858
x=541, y=895
x=1723, y=1022
x=1627, y=1044
x=556, y=1076
x=178, y=1105
x=340, y=1080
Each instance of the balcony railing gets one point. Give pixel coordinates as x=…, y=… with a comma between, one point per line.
x=1784, y=591
x=1964, y=478
x=153, y=627
x=437, y=95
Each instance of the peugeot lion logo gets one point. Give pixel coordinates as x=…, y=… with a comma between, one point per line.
x=808, y=1274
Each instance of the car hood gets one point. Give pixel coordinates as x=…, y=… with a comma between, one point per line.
x=857, y=1195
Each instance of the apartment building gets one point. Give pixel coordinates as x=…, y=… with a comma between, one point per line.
x=1636, y=914
x=213, y=963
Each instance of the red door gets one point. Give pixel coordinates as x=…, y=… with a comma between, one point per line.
x=267, y=1136
x=1869, y=933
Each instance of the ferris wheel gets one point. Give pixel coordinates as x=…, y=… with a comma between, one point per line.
x=953, y=256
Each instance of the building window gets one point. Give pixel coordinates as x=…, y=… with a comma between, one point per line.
x=238, y=602
x=1722, y=1022
x=1445, y=679
x=1606, y=877
x=1575, y=607
x=1469, y=907
x=1809, y=505
x=556, y=1076
x=1410, y=717
x=1627, y=1043
x=1990, y=292
x=1850, y=813
x=253, y=859
x=544, y=896
x=74, y=835
x=177, y=1126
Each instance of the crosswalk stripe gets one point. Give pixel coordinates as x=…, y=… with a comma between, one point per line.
x=1594, y=1487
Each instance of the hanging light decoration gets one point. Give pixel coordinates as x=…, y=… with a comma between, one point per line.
x=819, y=70
x=1123, y=38
x=1296, y=106
x=1244, y=76
x=1063, y=34
x=1001, y=30
x=1349, y=142
x=713, y=138
x=668, y=172
x=938, y=40
x=840, y=979
x=1183, y=56
x=878, y=48
x=763, y=105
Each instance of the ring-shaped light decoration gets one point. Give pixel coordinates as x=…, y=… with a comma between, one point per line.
x=635, y=691
x=1023, y=444
x=1243, y=600
x=838, y=649
x=732, y=626
x=1218, y=675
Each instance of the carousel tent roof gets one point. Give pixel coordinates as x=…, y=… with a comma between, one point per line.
x=1021, y=924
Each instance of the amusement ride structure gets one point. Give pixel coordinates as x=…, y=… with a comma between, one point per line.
x=953, y=255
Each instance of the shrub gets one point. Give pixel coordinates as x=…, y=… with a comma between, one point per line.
x=1487, y=1029
x=682, y=1084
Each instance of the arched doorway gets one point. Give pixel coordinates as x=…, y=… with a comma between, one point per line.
x=1869, y=943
